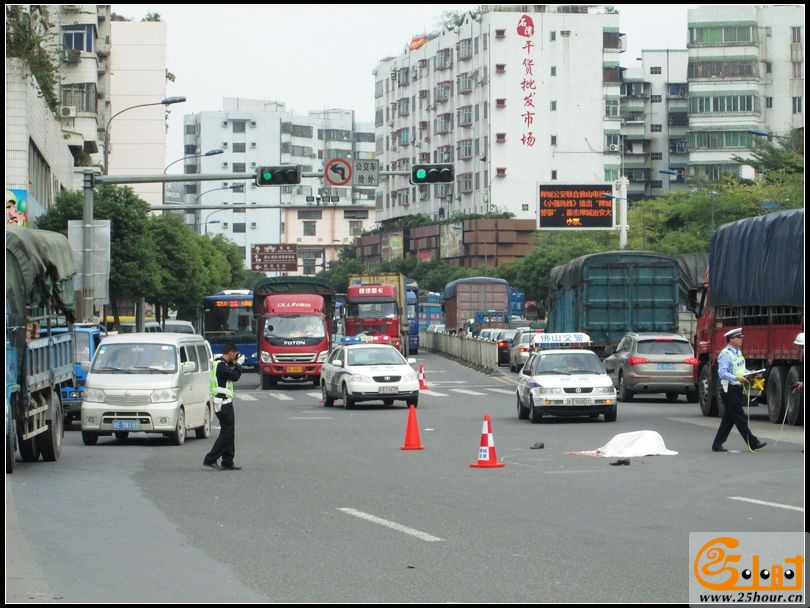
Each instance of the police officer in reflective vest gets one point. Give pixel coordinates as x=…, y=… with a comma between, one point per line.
x=733, y=375
x=224, y=372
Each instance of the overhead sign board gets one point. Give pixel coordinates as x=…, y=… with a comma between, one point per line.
x=575, y=206
x=282, y=257
x=338, y=172
x=366, y=173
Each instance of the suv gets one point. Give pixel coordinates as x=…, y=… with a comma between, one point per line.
x=653, y=363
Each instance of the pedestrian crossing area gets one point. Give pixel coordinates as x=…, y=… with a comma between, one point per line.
x=281, y=395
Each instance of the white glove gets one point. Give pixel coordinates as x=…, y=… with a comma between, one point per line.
x=240, y=360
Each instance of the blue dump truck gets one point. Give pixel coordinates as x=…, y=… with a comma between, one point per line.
x=606, y=295
x=86, y=339
x=39, y=294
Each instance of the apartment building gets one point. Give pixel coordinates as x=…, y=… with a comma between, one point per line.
x=316, y=217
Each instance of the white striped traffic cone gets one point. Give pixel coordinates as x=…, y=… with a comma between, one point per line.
x=422, y=381
x=487, y=458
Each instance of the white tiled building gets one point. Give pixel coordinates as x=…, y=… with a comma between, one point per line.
x=255, y=133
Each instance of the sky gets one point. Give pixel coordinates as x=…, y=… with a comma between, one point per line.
x=321, y=56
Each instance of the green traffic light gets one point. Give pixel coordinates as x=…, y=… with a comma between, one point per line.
x=421, y=174
x=267, y=175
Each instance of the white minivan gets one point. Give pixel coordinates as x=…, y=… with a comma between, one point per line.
x=148, y=383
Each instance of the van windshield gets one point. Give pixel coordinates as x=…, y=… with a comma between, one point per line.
x=135, y=359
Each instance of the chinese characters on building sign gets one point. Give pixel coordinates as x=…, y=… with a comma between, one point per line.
x=575, y=206
x=273, y=258
x=528, y=85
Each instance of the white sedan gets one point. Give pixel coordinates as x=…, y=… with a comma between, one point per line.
x=368, y=371
x=565, y=382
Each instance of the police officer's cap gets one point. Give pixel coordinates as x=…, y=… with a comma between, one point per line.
x=734, y=333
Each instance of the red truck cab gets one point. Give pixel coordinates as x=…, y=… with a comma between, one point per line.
x=373, y=310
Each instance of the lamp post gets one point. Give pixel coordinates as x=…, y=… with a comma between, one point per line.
x=622, y=215
x=213, y=152
x=164, y=102
x=197, y=202
x=88, y=303
x=205, y=227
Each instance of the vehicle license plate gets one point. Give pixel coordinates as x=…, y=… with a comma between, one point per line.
x=126, y=425
x=386, y=390
x=578, y=401
x=666, y=366
x=295, y=369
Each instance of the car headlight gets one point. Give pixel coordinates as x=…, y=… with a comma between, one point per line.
x=603, y=390
x=363, y=379
x=163, y=395
x=322, y=356
x=266, y=357
x=408, y=376
x=547, y=390
x=94, y=394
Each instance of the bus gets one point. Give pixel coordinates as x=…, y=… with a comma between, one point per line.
x=412, y=314
x=227, y=317
x=430, y=309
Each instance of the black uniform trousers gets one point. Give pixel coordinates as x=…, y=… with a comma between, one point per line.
x=734, y=415
x=225, y=445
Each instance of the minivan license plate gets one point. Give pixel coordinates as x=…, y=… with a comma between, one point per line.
x=126, y=425
x=387, y=390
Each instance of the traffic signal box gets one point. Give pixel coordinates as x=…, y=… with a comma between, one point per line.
x=283, y=175
x=432, y=174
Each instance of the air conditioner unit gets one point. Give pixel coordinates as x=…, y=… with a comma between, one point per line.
x=613, y=147
x=253, y=144
x=224, y=123
x=252, y=224
x=252, y=123
x=68, y=111
x=225, y=165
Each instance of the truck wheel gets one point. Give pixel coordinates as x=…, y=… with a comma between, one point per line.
x=10, y=450
x=612, y=414
x=204, y=431
x=775, y=393
x=671, y=396
x=268, y=382
x=89, y=438
x=179, y=434
x=708, y=405
x=794, y=402
x=50, y=442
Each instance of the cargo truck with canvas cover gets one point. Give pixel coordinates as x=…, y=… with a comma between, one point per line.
x=39, y=293
x=755, y=280
x=462, y=298
x=294, y=322
x=607, y=295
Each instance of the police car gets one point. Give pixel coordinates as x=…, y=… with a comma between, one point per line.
x=561, y=378
x=368, y=368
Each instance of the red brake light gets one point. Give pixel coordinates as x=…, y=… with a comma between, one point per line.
x=502, y=343
x=637, y=360
x=691, y=361
x=663, y=340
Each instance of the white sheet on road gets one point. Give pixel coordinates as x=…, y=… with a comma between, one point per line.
x=626, y=445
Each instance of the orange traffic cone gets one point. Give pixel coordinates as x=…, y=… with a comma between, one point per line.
x=486, y=453
x=412, y=441
x=422, y=382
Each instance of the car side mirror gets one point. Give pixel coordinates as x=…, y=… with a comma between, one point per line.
x=411, y=360
x=189, y=366
x=337, y=363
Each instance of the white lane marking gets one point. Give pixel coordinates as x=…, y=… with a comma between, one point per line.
x=432, y=393
x=464, y=391
x=310, y=418
x=316, y=395
x=505, y=391
x=246, y=398
x=767, y=504
x=281, y=396
x=390, y=524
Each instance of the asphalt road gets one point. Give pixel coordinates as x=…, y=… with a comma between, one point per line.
x=329, y=509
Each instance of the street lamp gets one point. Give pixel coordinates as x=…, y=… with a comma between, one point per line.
x=213, y=152
x=165, y=102
x=199, y=196
x=205, y=227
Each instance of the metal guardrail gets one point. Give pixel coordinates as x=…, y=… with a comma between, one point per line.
x=480, y=353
